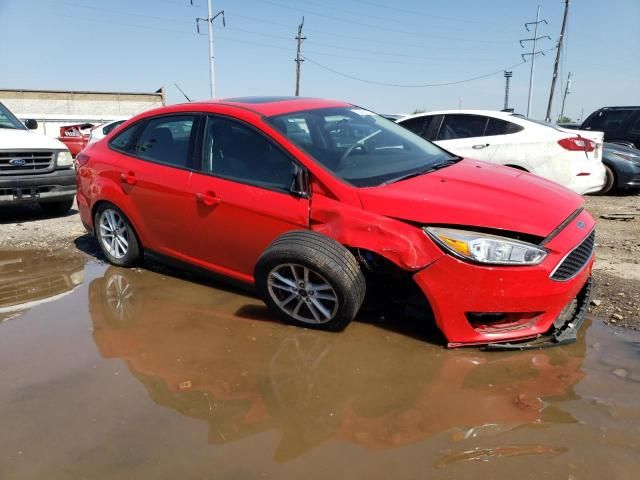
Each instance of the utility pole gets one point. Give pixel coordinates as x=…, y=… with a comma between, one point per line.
x=507, y=78
x=534, y=53
x=299, y=58
x=567, y=90
x=210, y=18
x=555, y=66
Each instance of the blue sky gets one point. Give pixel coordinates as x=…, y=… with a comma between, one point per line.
x=141, y=45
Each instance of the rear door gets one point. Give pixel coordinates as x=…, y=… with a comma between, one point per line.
x=464, y=135
x=154, y=170
x=240, y=200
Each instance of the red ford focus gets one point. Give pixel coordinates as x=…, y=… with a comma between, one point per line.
x=315, y=202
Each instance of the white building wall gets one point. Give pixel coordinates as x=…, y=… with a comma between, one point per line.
x=55, y=109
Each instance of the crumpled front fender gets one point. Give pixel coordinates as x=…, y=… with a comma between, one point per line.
x=401, y=243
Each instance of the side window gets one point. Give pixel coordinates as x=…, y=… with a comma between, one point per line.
x=607, y=120
x=636, y=126
x=235, y=151
x=122, y=140
x=462, y=126
x=106, y=130
x=165, y=140
x=501, y=127
x=417, y=125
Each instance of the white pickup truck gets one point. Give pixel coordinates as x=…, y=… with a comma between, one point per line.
x=34, y=168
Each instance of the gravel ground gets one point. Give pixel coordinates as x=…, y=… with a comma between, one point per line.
x=616, y=297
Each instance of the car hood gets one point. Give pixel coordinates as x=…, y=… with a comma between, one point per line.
x=11, y=139
x=476, y=194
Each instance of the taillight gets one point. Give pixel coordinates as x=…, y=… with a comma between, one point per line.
x=81, y=159
x=577, y=144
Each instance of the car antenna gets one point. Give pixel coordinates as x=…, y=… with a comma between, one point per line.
x=182, y=92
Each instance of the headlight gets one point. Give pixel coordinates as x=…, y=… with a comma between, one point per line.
x=485, y=248
x=64, y=159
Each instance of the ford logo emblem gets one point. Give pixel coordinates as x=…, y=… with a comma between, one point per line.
x=580, y=224
x=18, y=162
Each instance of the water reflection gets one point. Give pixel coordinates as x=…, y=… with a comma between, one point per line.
x=216, y=355
x=31, y=277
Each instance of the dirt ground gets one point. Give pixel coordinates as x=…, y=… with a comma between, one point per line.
x=616, y=297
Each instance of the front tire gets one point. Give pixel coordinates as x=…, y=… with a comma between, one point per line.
x=116, y=237
x=310, y=280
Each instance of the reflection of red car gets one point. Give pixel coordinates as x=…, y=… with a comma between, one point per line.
x=186, y=344
x=315, y=201
x=75, y=137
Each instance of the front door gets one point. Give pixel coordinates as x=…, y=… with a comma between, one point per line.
x=241, y=199
x=464, y=135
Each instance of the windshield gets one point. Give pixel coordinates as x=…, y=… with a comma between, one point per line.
x=9, y=120
x=359, y=146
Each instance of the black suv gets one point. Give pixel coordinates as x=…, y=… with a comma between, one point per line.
x=619, y=124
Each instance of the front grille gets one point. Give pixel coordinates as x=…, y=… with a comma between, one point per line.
x=20, y=163
x=576, y=260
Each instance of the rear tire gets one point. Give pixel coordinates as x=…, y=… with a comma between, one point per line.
x=310, y=280
x=57, y=209
x=609, y=182
x=116, y=236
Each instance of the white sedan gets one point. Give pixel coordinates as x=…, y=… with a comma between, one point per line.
x=101, y=131
x=572, y=158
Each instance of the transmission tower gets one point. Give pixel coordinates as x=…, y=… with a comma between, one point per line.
x=534, y=53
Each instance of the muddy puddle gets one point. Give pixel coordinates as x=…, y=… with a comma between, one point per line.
x=108, y=373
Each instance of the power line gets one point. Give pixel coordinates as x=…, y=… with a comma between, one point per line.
x=379, y=27
x=422, y=14
x=424, y=85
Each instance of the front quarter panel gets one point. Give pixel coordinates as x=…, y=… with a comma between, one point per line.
x=407, y=246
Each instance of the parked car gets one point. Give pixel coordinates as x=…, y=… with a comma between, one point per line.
x=571, y=158
x=33, y=168
x=623, y=167
x=101, y=131
x=75, y=137
x=619, y=124
x=313, y=219
x=570, y=125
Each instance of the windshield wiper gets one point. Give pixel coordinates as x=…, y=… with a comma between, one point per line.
x=422, y=172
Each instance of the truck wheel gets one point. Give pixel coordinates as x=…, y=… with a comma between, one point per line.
x=310, y=280
x=116, y=237
x=57, y=208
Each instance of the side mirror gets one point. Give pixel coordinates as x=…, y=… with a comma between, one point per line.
x=300, y=181
x=31, y=124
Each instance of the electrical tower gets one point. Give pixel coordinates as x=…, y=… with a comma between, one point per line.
x=534, y=53
x=555, y=66
x=507, y=79
x=567, y=91
x=299, y=58
x=212, y=65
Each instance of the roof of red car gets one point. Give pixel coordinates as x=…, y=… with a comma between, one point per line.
x=269, y=106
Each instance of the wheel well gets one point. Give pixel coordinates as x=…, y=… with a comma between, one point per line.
x=391, y=288
x=98, y=204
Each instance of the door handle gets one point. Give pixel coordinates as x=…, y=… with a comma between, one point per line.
x=209, y=199
x=128, y=178
x=480, y=146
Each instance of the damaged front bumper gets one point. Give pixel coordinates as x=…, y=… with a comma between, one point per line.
x=565, y=329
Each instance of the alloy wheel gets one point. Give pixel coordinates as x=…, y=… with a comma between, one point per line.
x=114, y=234
x=302, y=293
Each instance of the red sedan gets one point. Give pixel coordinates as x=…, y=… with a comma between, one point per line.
x=315, y=202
